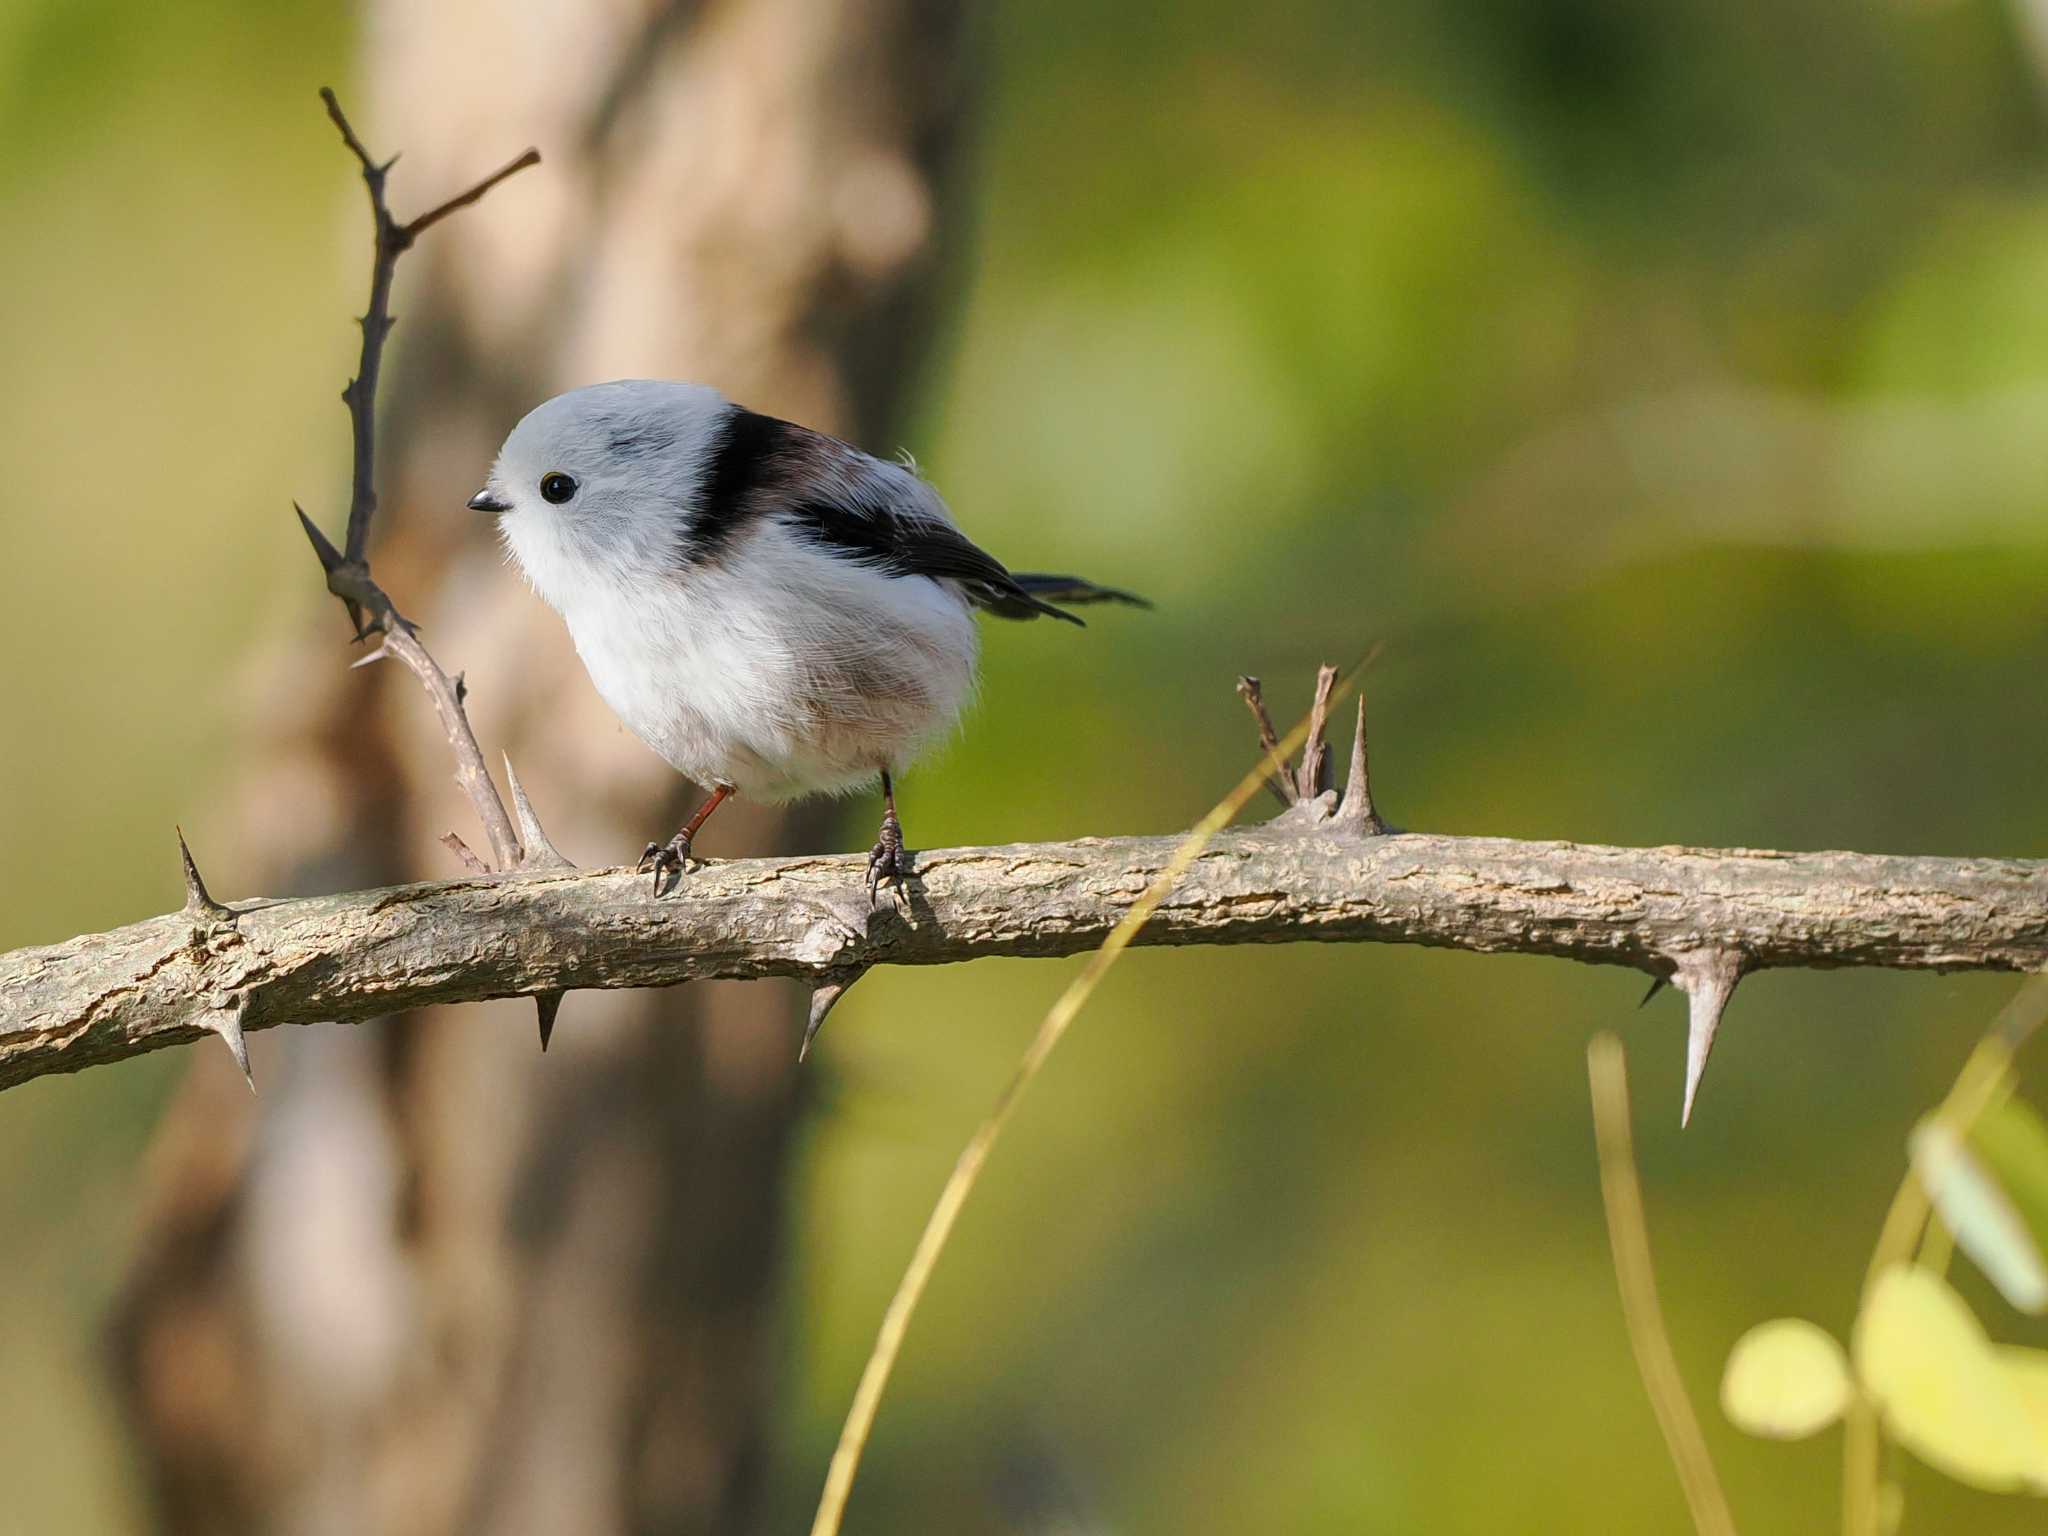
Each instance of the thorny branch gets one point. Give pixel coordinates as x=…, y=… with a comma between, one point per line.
x=1698, y=917
x=392, y=240
x=348, y=570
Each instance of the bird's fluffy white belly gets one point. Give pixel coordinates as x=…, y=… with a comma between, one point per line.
x=810, y=675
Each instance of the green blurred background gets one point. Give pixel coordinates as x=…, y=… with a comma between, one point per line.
x=1662, y=384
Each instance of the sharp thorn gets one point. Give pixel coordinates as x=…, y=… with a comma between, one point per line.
x=379, y=654
x=227, y=1023
x=330, y=557
x=1657, y=984
x=548, y=1004
x=539, y=852
x=823, y=999
x=1707, y=977
x=199, y=901
x=1357, y=809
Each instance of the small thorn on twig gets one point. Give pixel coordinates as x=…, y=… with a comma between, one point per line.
x=331, y=561
x=1657, y=984
x=464, y=852
x=227, y=1023
x=199, y=901
x=1708, y=978
x=538, y=851
x=548, y=1004
x=1357, y=810
x=1279, y=781
x=330, y=557
x=823, y=999
x=382, y=653
x=462, y=691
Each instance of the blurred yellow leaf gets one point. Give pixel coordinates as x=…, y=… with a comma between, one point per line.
x=2011, y=1141
x=1945, y=1394
x=1786, y=1379
x=2027, y=1370
x=1974, y=1205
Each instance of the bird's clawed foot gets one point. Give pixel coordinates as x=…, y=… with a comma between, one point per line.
x=674, y=855
x=886, y=860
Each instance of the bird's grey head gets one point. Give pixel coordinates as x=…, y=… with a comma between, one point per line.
x=605, y=476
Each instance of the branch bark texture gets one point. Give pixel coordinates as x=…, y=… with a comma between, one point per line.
x=357, y=956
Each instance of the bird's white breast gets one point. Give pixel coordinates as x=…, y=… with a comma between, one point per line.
x=775, y=667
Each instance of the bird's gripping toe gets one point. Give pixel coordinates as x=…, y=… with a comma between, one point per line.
x=663, y=857
x=886, y=860
x=676, y=855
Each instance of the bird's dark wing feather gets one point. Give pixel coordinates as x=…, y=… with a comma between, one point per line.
x=855, y=505
x=910, y=545
x=835, y=495
x=1075, y=589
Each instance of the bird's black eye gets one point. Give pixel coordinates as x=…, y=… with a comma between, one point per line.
x=557, y=487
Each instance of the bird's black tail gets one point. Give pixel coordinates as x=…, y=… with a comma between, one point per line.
x=1037, y=593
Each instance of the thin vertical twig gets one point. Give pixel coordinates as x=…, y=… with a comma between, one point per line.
x=348, y=569
x=1628, y=1235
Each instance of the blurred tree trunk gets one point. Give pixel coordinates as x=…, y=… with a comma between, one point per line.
x=429, y=1279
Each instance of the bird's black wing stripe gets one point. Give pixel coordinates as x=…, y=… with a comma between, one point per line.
x=759, y=460
x=900, y=545
x=918, y=546
x=746, y=456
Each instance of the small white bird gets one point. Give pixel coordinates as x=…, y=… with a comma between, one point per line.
x=773, y=611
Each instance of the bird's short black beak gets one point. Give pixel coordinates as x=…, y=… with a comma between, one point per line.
x=485, y=501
